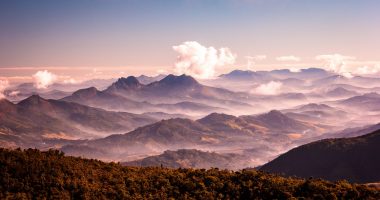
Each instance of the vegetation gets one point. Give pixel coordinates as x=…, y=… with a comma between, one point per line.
x=192, y=158
x=354, y=159
x=31, y=174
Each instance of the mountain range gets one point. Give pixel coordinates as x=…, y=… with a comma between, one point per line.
x=35, y=119
x=179, y=121
x=172, y=94
x=215, y=131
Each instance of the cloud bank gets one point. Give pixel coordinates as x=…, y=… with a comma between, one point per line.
x=3, y=85
x=336, y=63
x=288, y=58
x=200, y=61
x=367, y=70
x=271, y=88
x=43, y=79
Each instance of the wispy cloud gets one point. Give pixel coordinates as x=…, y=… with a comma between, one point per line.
x=3, y=85
x=367, y=70
x=199, y=61
x=251, y=60
x=257, y=57
x=288, y=58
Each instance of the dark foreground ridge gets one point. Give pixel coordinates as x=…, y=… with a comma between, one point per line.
x=355, y=159
x=31, y=174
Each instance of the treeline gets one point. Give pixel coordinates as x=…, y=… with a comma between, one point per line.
x=31, y=174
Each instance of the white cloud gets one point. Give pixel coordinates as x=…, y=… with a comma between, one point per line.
x=271, y=88
x=200, y=61
x=337, y=63
x=43, y=79
x=294, y=70
x=288, y=58
x=3, y=85
x=367, y=70
x=257, y=57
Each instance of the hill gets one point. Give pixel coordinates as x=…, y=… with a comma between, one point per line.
x=355, y=159
x=34, y=119
x=365, y=102
x=191, y=158
x=31, y=174
x=213, y=131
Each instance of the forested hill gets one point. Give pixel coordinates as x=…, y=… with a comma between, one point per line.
x=31, y=174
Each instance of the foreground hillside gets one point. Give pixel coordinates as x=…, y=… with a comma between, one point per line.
x=355, y=159
x=33, y=174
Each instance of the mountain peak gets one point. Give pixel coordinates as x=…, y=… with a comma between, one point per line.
x=340, y=91
x=178, y=80
x=275, y=113
x=274, y=116
x=87, y=92
x=129, y=82
x=33, y=100
x=216, y=117
x=238, y=72
x=315, y=106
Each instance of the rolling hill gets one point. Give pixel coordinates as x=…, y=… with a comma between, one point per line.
x=192, y=158
x=36, y=118
x=213, y=131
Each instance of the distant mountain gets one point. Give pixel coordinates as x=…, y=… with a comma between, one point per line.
x=54, y=91
x=355, y=159
x=188, y=107
x=179, y=87
x=366, y=81
x=275, y=120
x=303, y=74
x=355, y=132
x=340, y=92
x=214, y=130
x=37, y=118
x=334, y=79
x=314, y=112
x=192, y=158
x=172, y=93
x=93, y=97
x=162, y=115
x=54, y=94
x=241, y=75
x=276, y=75
x=114, y=102
x=291, y=96
x=366, y=102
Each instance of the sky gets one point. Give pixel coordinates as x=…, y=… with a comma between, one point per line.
x=78, y=39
